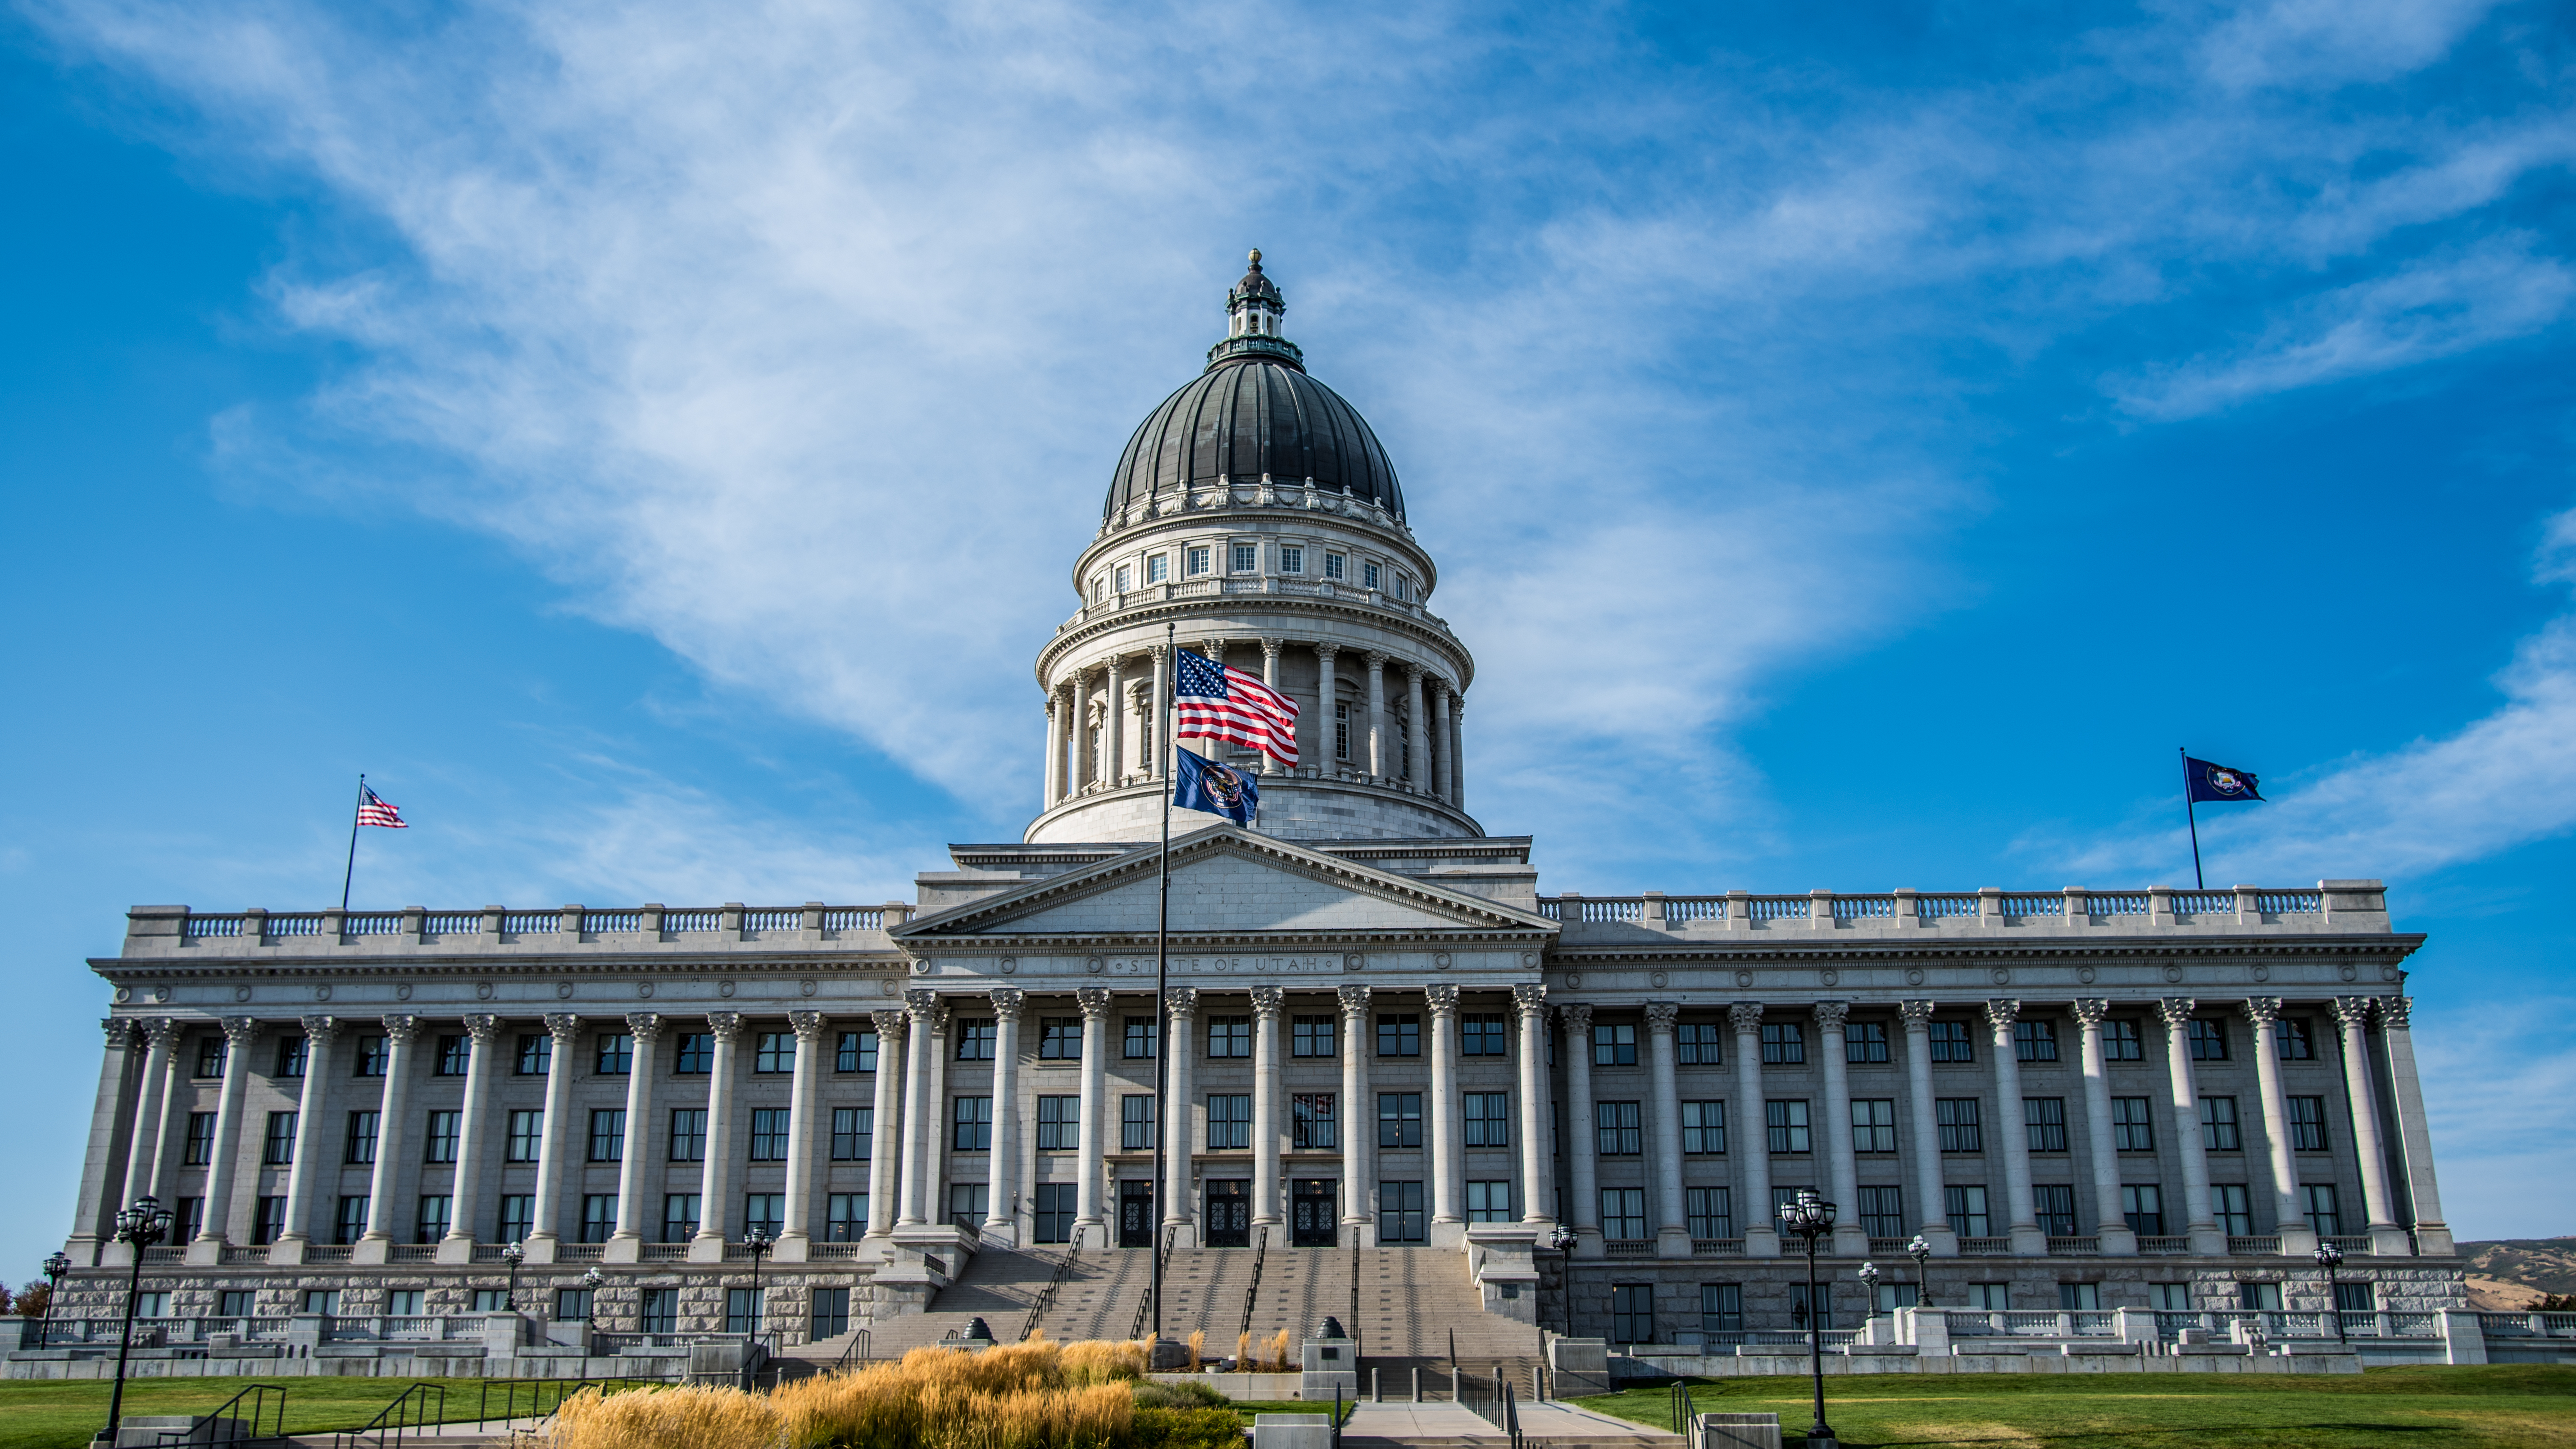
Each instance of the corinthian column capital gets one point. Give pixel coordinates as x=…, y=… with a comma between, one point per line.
x=1442, y=999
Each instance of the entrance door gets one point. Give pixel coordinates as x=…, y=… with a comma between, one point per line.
x=1135, y=1215
x=1229, y=1213
x=1313, y=1218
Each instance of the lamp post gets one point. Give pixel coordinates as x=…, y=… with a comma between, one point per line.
x=514, y=1255
x=55, y=1267
x=1562, y=1240
x=1868, y=1276
x=2330, y=1257
x=1811, y=1218
x=591, y=1283
x=1921, y=1252
x=145, y=1223
x=757, y=1242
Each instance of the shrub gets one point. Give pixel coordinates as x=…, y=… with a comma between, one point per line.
x=1158, y=1394
x=1187, y=1429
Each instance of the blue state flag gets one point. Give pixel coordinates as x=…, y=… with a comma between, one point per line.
x=1217, y=789
x=2217, y=782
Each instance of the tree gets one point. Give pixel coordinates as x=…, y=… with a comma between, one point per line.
x=2555, y=1303
x=32, y=1300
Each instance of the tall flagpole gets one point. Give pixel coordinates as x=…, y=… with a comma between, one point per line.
x=2197, y=883
x=1164, y=745
x=351, y=871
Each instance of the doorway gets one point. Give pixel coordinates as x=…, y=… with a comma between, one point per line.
x=1229, y=1213
x=1135, y=1215
x=1314, y=1217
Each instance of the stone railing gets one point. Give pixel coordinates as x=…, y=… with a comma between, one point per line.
x=154, y=929
x=2346, y=905
x=1277, y=586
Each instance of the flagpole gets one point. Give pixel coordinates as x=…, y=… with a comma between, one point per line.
x=2197, y=883
x=351, y=871
x=1164, y=745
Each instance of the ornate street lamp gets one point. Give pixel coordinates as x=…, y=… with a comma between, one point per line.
x=1868, y=1276
x=55, y=1267
x=1811, y=1219
x=1921, y=1252
x=591, y=1283
x=514, y=1255
x=145, y=1223
x=2330, y=1257
x=757, y=1242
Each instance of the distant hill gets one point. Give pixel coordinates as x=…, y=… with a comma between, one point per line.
x=2512, y=1273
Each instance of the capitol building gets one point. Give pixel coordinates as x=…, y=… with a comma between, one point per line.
x=1403, y=1077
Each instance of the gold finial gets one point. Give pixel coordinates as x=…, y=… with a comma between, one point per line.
x=1256, y=256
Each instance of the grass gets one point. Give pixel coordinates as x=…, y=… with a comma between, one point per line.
x=65, y=1413
x=2434, y=1407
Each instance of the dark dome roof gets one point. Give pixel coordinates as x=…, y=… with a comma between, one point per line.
x=1247, y=416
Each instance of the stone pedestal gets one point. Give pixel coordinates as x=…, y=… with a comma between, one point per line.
x=1330, y=1364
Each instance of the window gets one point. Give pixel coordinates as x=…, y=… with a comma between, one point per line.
x=966, y=1204
x=2296, y=1042
x=536, y=1055
x=689, y=1134
x=1229, y=1121
x=1060, y=1038
x=2169, y=1297
x=1865, y=1042
x=188, y=1219
x=432, y=1222
x=1400, y=1218
x=1721, y=1308
x=1784, y=1044
x=598, y=1216
x=277, y=1147
x=1696, y=1044
x=1310, y=1036
x=200, y=1143
x=322, y=1300
x=2259, y=1297
x=1341, y=730
x=2035, y=1041
x=970, y=1125
x=267, y=1220
x=658, y=1310
x=2307, y=1124
x=362, y=1140
x=1489, y=1119
x=2356, y=1298
x=1882, y=1212
x=1703, y=1128
x=746, y=1310
x=1126, y=578
x=1229, y=1036
x=211, y=1054
x=292, y=1053
x=845, y=1217
x=1823, y=1307
x=2218, y=1125
x=1195, y=561
x=439, y=1142
x=1399, y=1119
x=857, y=1053
x=1056, y=1206
x=1292, y=559
x=1996, y=1296
x=1401, y=1036
x=1368, y=575
x=1623, y=1214
x=572, y=1305
x=452, y=1057
x=828, y=1309
x=1951, y=1043
x=1482, y=1033
x=1632, y=1312
x=491, y=1300
x=2234, y=1210
x=1961, y=1130
x=697, y=1054
x=679, y=1216
x=2053, y=1203
x=1966, y=1209
x=2133, y=1124
x=1489, y=1202
x=1616, y=1129
x=1335, y=565
x=854, y=1131
x=2079, y=1297
x=774, y=1052
x=2045, y=1117
x=1873, y=1125
x=1787, y=1122
x=351, y=1224
x=1709, y=1211
x=769, y=1134
x=1614, y=1045
x=1158, y=568
x=517, y=1217
x=1135, y=1122
x=608, y=1134
x=373, y=1053
x=235, y=1303
x=975, y=1038
x=616, y=1054
x=1059, y=1121
x=1312, y=1116
x=2143, y=1205
x=1247, y=558
x=2120, y=1042
x=2208, y=1039
x=764, y=1212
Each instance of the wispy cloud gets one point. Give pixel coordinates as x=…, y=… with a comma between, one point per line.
x=2495, y=1084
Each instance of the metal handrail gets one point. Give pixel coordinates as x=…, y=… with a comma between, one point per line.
x=1162, y=1259
x=1046, y=1296
x=409, y=1416
x=230, y=1410
x=1251, y=1295
x=859, y=1349
x=1685, y=1413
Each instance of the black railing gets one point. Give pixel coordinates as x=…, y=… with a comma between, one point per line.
x=1252, y=1295
x=413, y=1414
x=224, y=1425
x=1046, y=1296
x=857, y=1352
x=1162, y=1260
x=1685, y=1414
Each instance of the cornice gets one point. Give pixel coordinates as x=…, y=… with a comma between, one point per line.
x=2394, y=946
x=1440, y=641
x=114, y=968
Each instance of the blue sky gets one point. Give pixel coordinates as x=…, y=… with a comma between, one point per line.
x=1861, y=443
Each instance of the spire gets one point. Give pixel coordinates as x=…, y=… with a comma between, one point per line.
x=1253, y=308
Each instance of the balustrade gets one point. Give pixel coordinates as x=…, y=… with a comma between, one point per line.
x=366, y=923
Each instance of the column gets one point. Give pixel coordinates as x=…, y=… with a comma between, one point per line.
x=939, y=1121
x=2110, y=1223
x=2289, y=1214
x=715, y=1181
x=920, y=1109
x=216, y=1229
x=1270, y=647
x=1180, y=1052
x=1327, y=694
x=1538, y=1176
x=1090, y=1223
x=1417, y=771
x=1377, y=714
x=1162, y=748
x=2352, y=1016
x=1932, y=1211
x=1457, y=755
x=1114, y=729
x=1672, y=1230
x=1001, y=1196
x=1444, y=778
x=1359, y=1120
x=102, y=1166
x=2414, y=1131
x=1850, y=1236
x=2012, y=1126
x=312, y=1160
x=1267, y=1205
x=796, y=1234
x=1752, y=1134
x=151, y=1109
x=1085, y=761
x=393, y=1111
x=1448, y=1124
x=885, y=1144
x=1054, y=754
x=473, y=1136
x=2199, y=1224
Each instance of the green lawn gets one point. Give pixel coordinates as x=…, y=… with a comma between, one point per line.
x=2504, y=1404
x=65, y=1413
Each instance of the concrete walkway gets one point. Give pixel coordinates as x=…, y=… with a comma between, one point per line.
x=1451, y=1424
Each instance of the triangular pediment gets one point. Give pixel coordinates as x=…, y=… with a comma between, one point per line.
x=1228, y=882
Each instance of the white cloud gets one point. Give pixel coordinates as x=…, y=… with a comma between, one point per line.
x=2495, y=1084
x=2331, y=41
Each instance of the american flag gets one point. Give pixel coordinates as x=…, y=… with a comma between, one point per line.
x=1213, y=702
x=374, y=810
